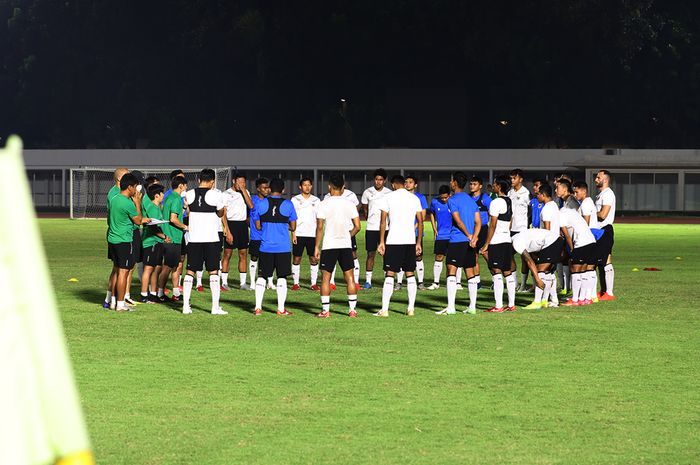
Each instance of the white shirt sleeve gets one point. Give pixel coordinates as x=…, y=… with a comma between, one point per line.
x=321, y=212
x=365, y=197
x=497, y=207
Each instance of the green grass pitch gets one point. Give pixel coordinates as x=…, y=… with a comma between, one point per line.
x=617, y=382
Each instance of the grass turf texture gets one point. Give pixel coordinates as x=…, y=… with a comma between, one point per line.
x=611, y=383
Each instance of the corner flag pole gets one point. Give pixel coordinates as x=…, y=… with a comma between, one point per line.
x=41, y=421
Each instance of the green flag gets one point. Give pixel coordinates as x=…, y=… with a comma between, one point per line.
x=41, y=421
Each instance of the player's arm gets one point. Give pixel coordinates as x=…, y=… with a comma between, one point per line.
x=545, y=224
x=138, y=219
x=567, y=238
x=457, y=221
x=493, y=221
x=419, y=239
x=587, y=218
x=603, y=213
x=477, y=229
x=355, y=226
x=382, y=232
x=433, y=223
x=533, y=268
x=176, y=221
x=227, y=232
x=319, y=237
x=293, y=225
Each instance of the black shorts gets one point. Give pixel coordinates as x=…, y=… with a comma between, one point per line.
x=308, y=243
x=254, y=248
x=604, y=245
x=271, y=263
x=461, y=255
x=400, y=258
x=440, y=247
x=239, y=231
x=353, y=242
x=136, y=246
x=372, y=240
x=551, y=254
x=483, y=234
x=122, y=255
x=500, y=256
x=200, y=254
x=153, y=255
x=171, y=255
x=585, y=255
x=342, y=257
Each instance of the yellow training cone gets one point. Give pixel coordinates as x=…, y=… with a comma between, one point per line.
x=73, y=280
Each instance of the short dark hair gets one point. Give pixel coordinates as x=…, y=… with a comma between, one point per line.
x=545, y=189
x=398, y=179
x=460, y=178
x=176, y=173
x=444, y=189
x=607, y=173
x=306, y=178
x=276, y=185
x=540, y=180
x=127, y=181
x=261, y=181
x=239, y=175
x=177, y=182
x=379, y=172
x=411, y=176
x=337, y=180
x=206, y=175
x=580, y=185
x=567, y=183
x=517, y=172
x=503, y=182
x=565, y=176
x=153, y=190
x=151, y=180
x=477, y=179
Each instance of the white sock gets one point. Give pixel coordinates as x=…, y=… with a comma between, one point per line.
x=473, y=288
x=592, y=284
x=259, y=292
x=313, y=271
x=451, y=292
x=108, y=297
x=356, y=270
x=511, y=285
x=224, y=279
x=576, y=284
x=368, y=277
x=113, y=302
x=478, y=278
x=352, y=301
x=567, y=284
x=199, y=278
x=459, y=276
x=498, y=290
x=553, y=289
x=144, y=294
x=161, y=292
x=326, y=303
x=296, y=271
x=215, y=286
x=437, y=271
x=253, y=269
x=176, y=291
x=121, y=305
x=270, y=281
x=127, y=296
x=609, y=278
x=399, y=277
x=333, y=276
x=412, y=287
x=244, y=278
x=539, y=293
x=187, y=290
x=281, y=293
x=179, y=281
x=387, y=291
x=420, y=271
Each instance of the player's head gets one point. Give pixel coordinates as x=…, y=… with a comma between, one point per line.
x=443, y=193
x=516, y=178
x=397, y=182
x=379, y=177
x=118, y=173
x=155, y=192
x=305, y=185
x=544, y=194
x=128, y=183
x=602, y=179
x=411, y=183
x=475, y=184
x=238, y=177
x=459, y=181
x=176, y=173
x=580, y=190
x=536, y=183
x=179, y=184
x=336, y=182
x=151, y=180
x=262, y=185
x=206, y=178
x=501, y=185
x=563, y=188
x=276, y=186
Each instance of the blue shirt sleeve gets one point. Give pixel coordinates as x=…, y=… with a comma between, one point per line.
x=486, y=200
x=291, y=212
x=423, y=202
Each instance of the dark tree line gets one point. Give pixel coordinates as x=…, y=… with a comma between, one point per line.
x=414, y=73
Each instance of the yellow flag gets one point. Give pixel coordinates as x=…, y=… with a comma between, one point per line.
x=41, y=421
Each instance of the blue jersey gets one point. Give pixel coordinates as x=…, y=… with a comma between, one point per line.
x=443, y=217
x=165, y=196
x=423, y=205
x=536, y=209
x=275, y=223
x=463, y=204
x=483, y=201
x=255, y=233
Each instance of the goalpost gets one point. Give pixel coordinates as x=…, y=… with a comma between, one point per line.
x=89, y=187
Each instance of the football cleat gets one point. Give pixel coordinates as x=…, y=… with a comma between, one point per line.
x=571, y=303
x=295, y=287
x=410, y=312
x=533, y=306
x=433, y=287
x=186, y=310
x=494, y=310
x=200, y=288
x=224, y=287
x=258, y=311
x=381, y=313
x=367, y=286
x=315, y=287
x=218, y=311
x=511, y=308
x=446, y=311
x=469, y=311
x=607, y=297
x=324, y=314
x=352, y=313
x=333, y=288
x=284, y=312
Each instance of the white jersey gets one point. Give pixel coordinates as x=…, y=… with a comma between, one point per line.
x=577, y=227
x=502, y=233
x=606, y=197
x=533, y=240
x=588, y=208
x=550, y=213
x=236, y=208
x=204, y=226
x=372, y=197
x=520, y=200
x=306, y=214
x=401, y=207
x=348, y=195
x=336, y=212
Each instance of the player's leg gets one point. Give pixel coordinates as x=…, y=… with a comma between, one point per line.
x=195, y=264
x=313, y=263
x=451, y=285
x=254, y=252
x=212, y=259
x=371, y=243
x=266, y=262
x=392, y=265
x=328, y=261
x=473, y=279
x=226, y=265
x=243, y=268
x=283, y=268
x=408, y=265
x=123, y=260
x=297, y=251
x=147, y=255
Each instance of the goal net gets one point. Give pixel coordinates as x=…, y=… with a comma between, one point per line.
x=89, y=187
